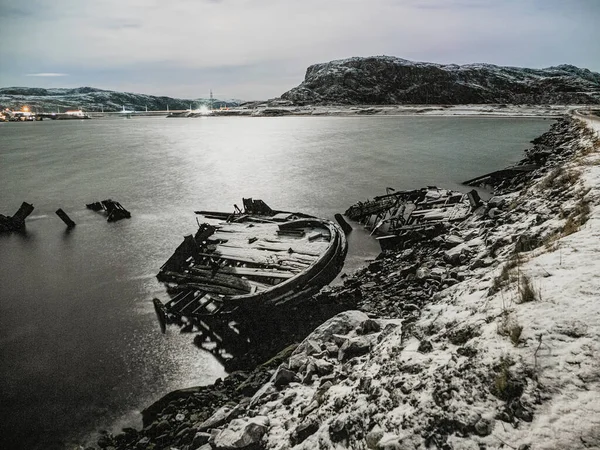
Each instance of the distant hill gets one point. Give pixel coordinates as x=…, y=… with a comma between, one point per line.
x=388, y=80
x=91, y=99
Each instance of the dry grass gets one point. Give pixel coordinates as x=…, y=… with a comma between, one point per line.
x=551, y=241
x=505, y=273
x=510, y=328
x=578, y=216
x=526, y=291
x=560, y=178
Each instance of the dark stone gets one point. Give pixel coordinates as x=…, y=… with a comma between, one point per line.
x=354, y=347
x=425, y=346
x=469, y=352
x=369, y=326
x=104, y=441
x=462, y=335
x=200, y=438
x=284, y=377
x=306, y=428
x=162, y=426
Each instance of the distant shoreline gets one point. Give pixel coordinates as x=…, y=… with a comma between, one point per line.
x=484, y=110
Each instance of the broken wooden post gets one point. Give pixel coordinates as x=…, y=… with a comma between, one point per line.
x=474, y=198
x=23, y=212
x=65, y=218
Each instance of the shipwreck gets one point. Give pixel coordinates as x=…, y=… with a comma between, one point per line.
x=402, y=217
x=247, y=262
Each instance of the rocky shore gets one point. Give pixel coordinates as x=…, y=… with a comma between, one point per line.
x=281, y=108
x=486, y=336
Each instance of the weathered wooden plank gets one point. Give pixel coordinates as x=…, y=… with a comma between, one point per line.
x=65, y=218
x=245, y=271
x=222, y=279
x=212, y=288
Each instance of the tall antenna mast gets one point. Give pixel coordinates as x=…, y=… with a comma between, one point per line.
x=211, y=100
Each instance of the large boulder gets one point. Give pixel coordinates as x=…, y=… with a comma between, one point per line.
x=242, y=433
x=342, y=323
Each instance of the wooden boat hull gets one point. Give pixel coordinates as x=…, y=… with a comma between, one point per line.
x=247, y=262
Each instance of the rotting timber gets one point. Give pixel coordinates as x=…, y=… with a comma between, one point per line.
x=114, y=210
x=16, y=222
x=399, y=218
x=247, y=263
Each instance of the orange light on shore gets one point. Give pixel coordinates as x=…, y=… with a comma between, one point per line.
x=25, y=108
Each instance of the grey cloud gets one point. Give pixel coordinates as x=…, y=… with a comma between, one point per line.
x=47, y=74
x=245, y=42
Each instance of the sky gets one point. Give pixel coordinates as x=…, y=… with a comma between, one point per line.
x=258, y=49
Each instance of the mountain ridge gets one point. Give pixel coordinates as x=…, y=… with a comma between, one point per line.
x=392, y=80
x=95, y=100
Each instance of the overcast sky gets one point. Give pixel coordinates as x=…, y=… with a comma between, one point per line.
x=257, y=49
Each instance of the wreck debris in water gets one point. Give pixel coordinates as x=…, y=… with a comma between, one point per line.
x=401, y=217
x=250, y=260
x=114, y=210
x=17, y=221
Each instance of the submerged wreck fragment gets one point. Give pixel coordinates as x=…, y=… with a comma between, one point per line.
x=247, y=261
x=114, y=210
x=17, y=221
x=402, y=217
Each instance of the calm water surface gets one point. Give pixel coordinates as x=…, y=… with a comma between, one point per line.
x=79, y=343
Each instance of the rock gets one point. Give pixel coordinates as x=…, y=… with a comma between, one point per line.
x=374, y=436
x=298, y=360
x=143, y=442
x=369, y=326
x=311, y=347
x=307, y=427
x=263, y=394
x=339, y=427
x=242, y=433
x=323, y=367
x=332, y=350
x=289, y=398
x=341, y=324
x=353, y=347
x=422, y=273
x=453, y=241
x=484, y=427
x=104, y=441
x=456, y=255
x=425, y=346
x=284, y=377
x=221, y=416
x=320, y=392
x=204, y=447
x=162, y=426
x=200, y=438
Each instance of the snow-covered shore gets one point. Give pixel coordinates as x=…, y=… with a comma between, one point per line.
x=282, y=108
x=488, y=337
x=507, y=358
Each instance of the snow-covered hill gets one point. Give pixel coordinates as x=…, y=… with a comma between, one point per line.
x=94, y=100
x=389, y=80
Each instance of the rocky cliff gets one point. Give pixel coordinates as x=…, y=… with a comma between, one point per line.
x=383, y=80
x=94, y=100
